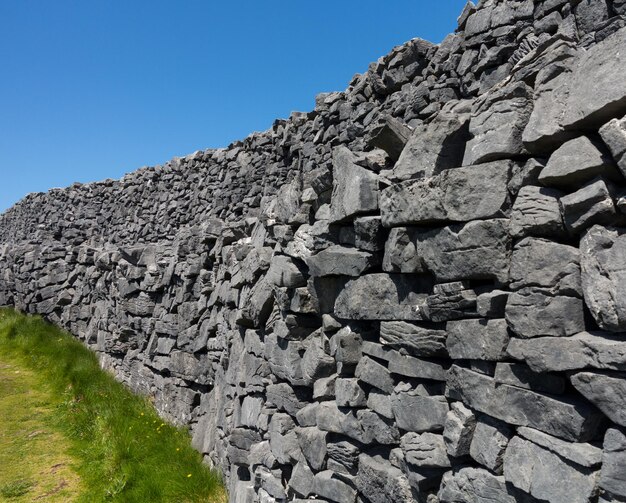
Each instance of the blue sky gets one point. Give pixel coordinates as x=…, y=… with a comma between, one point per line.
x=94, y=89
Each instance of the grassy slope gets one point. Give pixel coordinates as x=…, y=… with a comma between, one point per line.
x=34, y=459
x=124, y=451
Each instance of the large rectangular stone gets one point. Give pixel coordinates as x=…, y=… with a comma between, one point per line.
x=476, y=250
x=457, y=195
x=535, y=470
x=479, y=339
x=564, y=418
x=586, y=349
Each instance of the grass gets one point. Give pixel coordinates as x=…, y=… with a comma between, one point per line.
x=117, y=449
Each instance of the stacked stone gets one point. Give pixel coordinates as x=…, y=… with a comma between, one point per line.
x=412, y=293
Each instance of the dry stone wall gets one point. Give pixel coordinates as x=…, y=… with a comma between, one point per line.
x=415, y=292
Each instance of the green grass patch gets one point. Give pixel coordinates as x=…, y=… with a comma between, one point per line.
x=122, y=450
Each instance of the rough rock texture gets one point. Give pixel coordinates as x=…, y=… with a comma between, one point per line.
x=412, y=293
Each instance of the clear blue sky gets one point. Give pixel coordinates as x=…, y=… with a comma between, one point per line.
x=93, y=89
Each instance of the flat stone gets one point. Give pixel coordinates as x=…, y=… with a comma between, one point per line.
x=587, y=93
x=312, y=443
x=381, y=481
x=489, y=442
x=327, y=485
x=355, y=189
x=383, y=297
x=583, y=350
x=498, y=119
x=459, y=429
x=534, y=470
x=522, y=376
x=375, y=374
x=478, y=339
x=603, y=253
x=409, y=366
x=492, y=304
x=450, y=301
x=532, y=312
x=391, y=136
x=474, y=485
x=576, y=162
x=301, y=480
x=340, y=261
x=613, y=473
x=369, y=234
x=564, y=418
x=285, y=272
x=592, y=204
x=545, y=264
x=415, y=339
x=456, y=195
x=536, y=212
x=579, y=453
x=607, y=391
x=476, y=250
x=613, y=134
x=417, y=413
x=435, y=146
x=380, y=403
x=349, y=393
x=425, y=450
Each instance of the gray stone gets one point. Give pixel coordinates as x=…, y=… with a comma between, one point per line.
x=474, y=485
x=417, y=413
x=458, y=430
x=302, y=479
x=588, y=93
x=375, y=374
x=340, y=261
x=592, y=204
x=457, y=195
x=425, y=450
x=450, y=301
x=564, y=418
x=285, y=398
x=435, y=146
x=584, y=350
x=613, y=134
x=489, y=443
x=382, y=297
x=380, y=403
x=343, y=455
x=533, y=312
x=416, y=340
x=613, y=473
x=369, y=234
x=498, y=119
x=603, y=252
x=576, y=162
x=409, y=366
x=381, y=481
x=346, y=346
x=391, y=136
x=607, y=391
x=536, y=212
x=285, y=272
x=479, y=339
x=545, y=264
x=349, y=393
x=355, y=189
x=312, y=443
x=492, y=304
x=476, y=250
x=283, y=439
x=327, y=485
x=579, y=453
x=534, y=470
x=522, y=376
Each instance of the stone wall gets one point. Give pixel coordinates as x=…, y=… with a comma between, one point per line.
x=415, y=292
